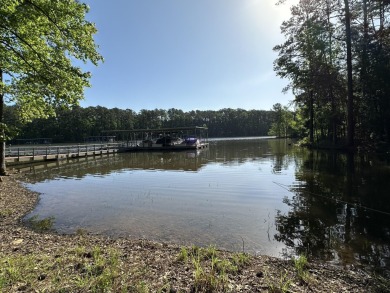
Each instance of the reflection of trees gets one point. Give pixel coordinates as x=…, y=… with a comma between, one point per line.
x=283, y=154
x=225, y=151
x=234, y=151
x=237, y=151
x=327, y=220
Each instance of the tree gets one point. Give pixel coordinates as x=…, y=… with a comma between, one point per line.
x=307, y=59
x=40, y=40
x=313, y=59
x=337, y=58
x=350, y=100
x=283, y=123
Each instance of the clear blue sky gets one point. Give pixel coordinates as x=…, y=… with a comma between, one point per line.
x=186, y=54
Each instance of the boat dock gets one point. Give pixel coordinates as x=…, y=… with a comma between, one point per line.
x=15, y=155
x=168, y=139
x=164, y=139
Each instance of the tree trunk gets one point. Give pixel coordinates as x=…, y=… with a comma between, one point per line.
x=350, y=107
x=333, y=121
x=364, y=66
x=311, y=121
x=2, y=133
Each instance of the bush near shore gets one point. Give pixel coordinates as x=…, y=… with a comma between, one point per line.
x=36, y=259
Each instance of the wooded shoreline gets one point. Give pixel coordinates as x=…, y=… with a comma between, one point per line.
x=47, y=261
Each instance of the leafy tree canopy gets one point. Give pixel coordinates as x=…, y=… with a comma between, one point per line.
x=39, y=42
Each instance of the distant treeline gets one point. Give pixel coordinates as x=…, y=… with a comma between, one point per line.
x=79, y=123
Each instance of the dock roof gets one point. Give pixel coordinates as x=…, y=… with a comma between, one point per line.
x=173, y=129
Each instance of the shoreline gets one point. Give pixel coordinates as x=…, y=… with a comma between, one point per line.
x=47, y=261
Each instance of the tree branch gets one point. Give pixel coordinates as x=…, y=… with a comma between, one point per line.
x=20, y=55
x=49, y=18
x=26, y=43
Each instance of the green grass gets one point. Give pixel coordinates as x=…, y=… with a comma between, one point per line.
x=283, y=284
x=241, y=259
x=285, y=280
x=77, y=269
x=300, y=264
x=210, y=270
x=101, y=268
x=183, y=255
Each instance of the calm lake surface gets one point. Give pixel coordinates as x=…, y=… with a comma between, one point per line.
x=261, y=195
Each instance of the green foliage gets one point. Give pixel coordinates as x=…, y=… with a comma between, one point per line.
x=7, y=132
x=40, y=40
x=284, y=124
x=313, y=58
x=76, y=124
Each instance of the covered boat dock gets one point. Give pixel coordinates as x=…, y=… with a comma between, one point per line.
x=178, y=138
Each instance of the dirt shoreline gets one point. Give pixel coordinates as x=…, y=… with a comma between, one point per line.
x=51, y=262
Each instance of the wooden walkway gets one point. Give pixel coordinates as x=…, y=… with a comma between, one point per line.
x=28, y=154
x=16, y=155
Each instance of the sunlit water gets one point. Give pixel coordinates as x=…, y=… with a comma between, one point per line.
x=261, y=195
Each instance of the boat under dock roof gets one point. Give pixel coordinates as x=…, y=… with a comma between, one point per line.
x=172, y=139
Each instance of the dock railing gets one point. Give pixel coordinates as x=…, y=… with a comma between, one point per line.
x=32, y=151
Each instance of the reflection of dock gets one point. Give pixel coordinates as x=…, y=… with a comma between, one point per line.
x=116, y=162
x=166, y=148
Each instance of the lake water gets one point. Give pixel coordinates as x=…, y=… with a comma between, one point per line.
x=261, y=195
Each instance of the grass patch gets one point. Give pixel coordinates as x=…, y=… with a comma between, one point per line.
x=208, y=279
x=283, y=283
x=211, y=270
x=183, y=255
x=300, y=264
x=5, y=213
x=241, y=259
x=73, y=270
x=42, y=225
x=280, y=285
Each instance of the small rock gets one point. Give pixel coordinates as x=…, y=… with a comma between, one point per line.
x=17, y=241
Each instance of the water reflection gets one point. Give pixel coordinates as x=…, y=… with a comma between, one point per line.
x=266, y=193
x=109, y=164
x=340, y=210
